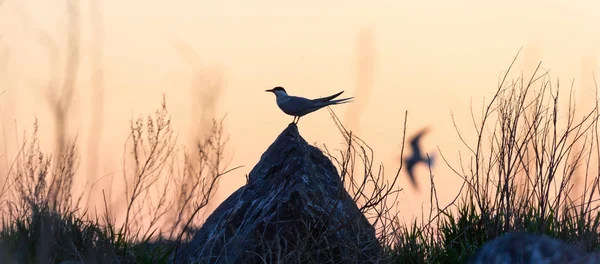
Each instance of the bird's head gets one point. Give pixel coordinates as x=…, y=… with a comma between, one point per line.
x=277, y=91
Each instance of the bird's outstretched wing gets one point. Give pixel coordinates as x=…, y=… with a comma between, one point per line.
x=411, y=175
x=328, y=98
x=414, y=142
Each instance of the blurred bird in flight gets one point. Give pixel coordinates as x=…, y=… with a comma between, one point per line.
x=300, y=106
x=417, y=156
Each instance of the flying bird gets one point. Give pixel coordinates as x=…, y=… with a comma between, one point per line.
x=300, y=106
x=416, y=157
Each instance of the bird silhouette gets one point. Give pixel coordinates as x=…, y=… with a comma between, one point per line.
x=416, y=157
x=299, y=106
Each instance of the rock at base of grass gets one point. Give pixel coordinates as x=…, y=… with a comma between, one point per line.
x=293, y=209
x=520, y=247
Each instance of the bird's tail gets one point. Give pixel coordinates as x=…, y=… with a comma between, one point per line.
x=340, y=101
x=328, y=98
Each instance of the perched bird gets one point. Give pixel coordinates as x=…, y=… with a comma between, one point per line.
x=416, y=157
x=300, y=106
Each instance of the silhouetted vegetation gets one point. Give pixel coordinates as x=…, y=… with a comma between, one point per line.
x=41, y=222
x=520, y=174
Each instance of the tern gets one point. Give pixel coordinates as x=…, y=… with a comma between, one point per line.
x=416, y=157
x=300, y=106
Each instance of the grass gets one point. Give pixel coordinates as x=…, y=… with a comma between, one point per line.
x=520, y=173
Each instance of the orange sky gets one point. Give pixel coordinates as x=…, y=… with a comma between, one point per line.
x=427, y=57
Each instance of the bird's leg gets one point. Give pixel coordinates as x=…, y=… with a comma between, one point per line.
x=297, y=120
x=294, y=121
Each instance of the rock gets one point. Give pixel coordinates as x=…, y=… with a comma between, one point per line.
x=520, y=247
x=293, y=209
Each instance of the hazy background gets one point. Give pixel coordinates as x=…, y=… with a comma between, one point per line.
x=213, y=58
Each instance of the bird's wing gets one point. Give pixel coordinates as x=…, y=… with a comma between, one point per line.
x=414, y=142
x=328, y=98
x=295, y=104
x=411, y=175
x=299, y=106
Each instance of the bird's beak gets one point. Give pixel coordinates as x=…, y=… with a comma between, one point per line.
x=270, y=90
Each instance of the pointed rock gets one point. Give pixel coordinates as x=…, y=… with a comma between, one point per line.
x=293, y=209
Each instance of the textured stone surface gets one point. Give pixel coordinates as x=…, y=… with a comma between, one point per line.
x=518, y=247
x=293, y=209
